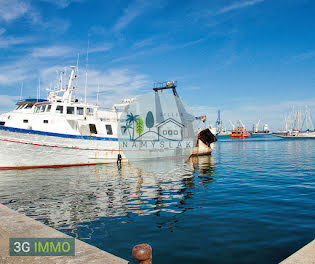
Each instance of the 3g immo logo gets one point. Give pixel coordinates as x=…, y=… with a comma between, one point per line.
x=42, y=246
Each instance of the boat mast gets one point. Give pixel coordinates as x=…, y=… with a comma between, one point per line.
x=86, y=71
x=21, y=92
x=68, y=93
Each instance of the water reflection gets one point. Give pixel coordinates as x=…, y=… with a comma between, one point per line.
x=64, y=198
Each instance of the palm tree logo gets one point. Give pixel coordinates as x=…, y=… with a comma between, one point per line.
x=131, y=119
x=126, y=128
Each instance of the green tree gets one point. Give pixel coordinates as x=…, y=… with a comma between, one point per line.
x=139, y=125
x=149, y=121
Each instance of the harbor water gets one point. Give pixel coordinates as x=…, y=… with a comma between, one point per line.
x=252, y=201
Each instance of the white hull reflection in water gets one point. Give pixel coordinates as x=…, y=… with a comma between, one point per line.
x=159, y=165
x=66, y=197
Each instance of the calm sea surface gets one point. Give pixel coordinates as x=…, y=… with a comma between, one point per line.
x=253, y=201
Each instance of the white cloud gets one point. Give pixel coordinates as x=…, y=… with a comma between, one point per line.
x=303, y=56
x=57, y=25
x=12, y=9
x=14, y=73
x=135, y=9
x=101, y=48
x=62, y=3
x=155, y=49
x=7, y=101
x=144, y=43
x=6, y=42
x=238, y=5
x=114, y=85
x=52, y=51
x=129, y=14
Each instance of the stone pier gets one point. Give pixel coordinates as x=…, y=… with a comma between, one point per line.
x=13, y=224
x=306, y=255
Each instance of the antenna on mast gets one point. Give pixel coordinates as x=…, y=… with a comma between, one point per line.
x=98, y=91
x=21, y=92
x=78, y=61
x=38, y=90
x=77, y=75
x=86, y=70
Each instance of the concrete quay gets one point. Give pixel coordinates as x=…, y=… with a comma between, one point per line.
x=13, y=224
x=306, y=255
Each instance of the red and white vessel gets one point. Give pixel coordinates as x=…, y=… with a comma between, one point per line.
x=240, y=131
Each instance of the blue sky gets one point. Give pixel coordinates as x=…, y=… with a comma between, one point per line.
x=250, y=58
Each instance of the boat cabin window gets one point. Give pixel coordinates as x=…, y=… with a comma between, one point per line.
x=25, y=121
x=28, y=106
x=2, y=123
x=89, y=111
x=37, y=108
x=80, y=111
x=45, y=121
x=70, y=110
x=59, y=109
x=109, y=130
x=42, y=109
x=48, y=108
x=93, y=129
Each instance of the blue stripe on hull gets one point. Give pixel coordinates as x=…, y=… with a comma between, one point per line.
x=37, y=132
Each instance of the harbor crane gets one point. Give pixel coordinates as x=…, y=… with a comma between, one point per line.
x=241, y=123
x=233, y=127
x=218, y=123
x=257, y=125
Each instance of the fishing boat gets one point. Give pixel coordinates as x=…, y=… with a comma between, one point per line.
x=60, y=131
x=239, y=132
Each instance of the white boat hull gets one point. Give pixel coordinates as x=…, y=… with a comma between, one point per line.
x=29, y=151
x=23, y=150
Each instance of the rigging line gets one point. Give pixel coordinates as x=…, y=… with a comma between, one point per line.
x=77, y=75
x=86, y=70
x=98, y=91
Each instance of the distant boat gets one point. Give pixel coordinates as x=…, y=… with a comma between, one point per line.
x=297, y=134
x=264, y=131
x=224, y=132
x=294, y=124
x=239, y=132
